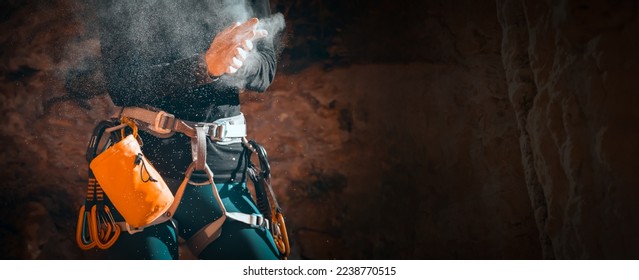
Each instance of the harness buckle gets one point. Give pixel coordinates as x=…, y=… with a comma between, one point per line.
x=258, y=221
x=164, y=122
x=217, y=132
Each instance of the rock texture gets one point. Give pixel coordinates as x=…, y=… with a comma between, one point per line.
x=572, y=71
x=44, y=130
x=450, y=129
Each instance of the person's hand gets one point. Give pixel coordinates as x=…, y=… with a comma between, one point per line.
x=231, y=46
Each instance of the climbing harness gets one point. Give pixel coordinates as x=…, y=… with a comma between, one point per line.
x=223, y=131
x=266, y=201
x=161, y=124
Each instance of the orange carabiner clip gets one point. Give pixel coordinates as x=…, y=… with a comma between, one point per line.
x=280, y=236
x=104, y=231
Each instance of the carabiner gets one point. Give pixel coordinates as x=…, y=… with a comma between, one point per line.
x=112, y=224
x=280, y=236
x=104, y=228
x=83, y=231
x=101, y=230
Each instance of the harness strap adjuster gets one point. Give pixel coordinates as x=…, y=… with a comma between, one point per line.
x=164, y=122
x=217, y=132
x=258, y=221
x=253, y=220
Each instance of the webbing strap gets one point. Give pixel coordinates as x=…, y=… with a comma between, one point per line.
x=198, y=147
x=212, y=231
x=234, y=131
x=209, y=233
x=180, y=192
x=162, y=124
x=124, y=226
x=142, y=114
x=253, y=220
x=205, y=236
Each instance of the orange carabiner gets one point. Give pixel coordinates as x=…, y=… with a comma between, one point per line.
x=117, y=230
x=101, y=231
x=280, y=236
x=104, y=229
x=83, y=231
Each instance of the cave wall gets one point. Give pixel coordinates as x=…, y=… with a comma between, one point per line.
x=572, y=68
x=434, y=130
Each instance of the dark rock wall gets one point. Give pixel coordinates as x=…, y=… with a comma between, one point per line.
x=397, y=130
x=572, y=77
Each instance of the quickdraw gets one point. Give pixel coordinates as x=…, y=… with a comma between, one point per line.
x=102, y=227
x=266, y=201
x=96, y=226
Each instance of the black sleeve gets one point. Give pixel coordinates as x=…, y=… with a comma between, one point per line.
x=261, y=65
x=138, y=84
x=135, y=77
x=136, y=73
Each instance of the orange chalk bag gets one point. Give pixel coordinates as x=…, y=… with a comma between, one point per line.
x=121, y=175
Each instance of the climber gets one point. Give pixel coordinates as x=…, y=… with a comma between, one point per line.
x=185, y=64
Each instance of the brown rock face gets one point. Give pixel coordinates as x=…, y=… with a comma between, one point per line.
x=442, y=130
x=405, y=180
x=572, y=71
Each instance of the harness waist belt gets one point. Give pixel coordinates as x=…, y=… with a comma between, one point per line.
x=162, y=124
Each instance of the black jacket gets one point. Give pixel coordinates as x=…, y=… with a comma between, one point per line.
x=153, y=54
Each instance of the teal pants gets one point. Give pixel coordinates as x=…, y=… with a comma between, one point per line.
x=197, y=209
